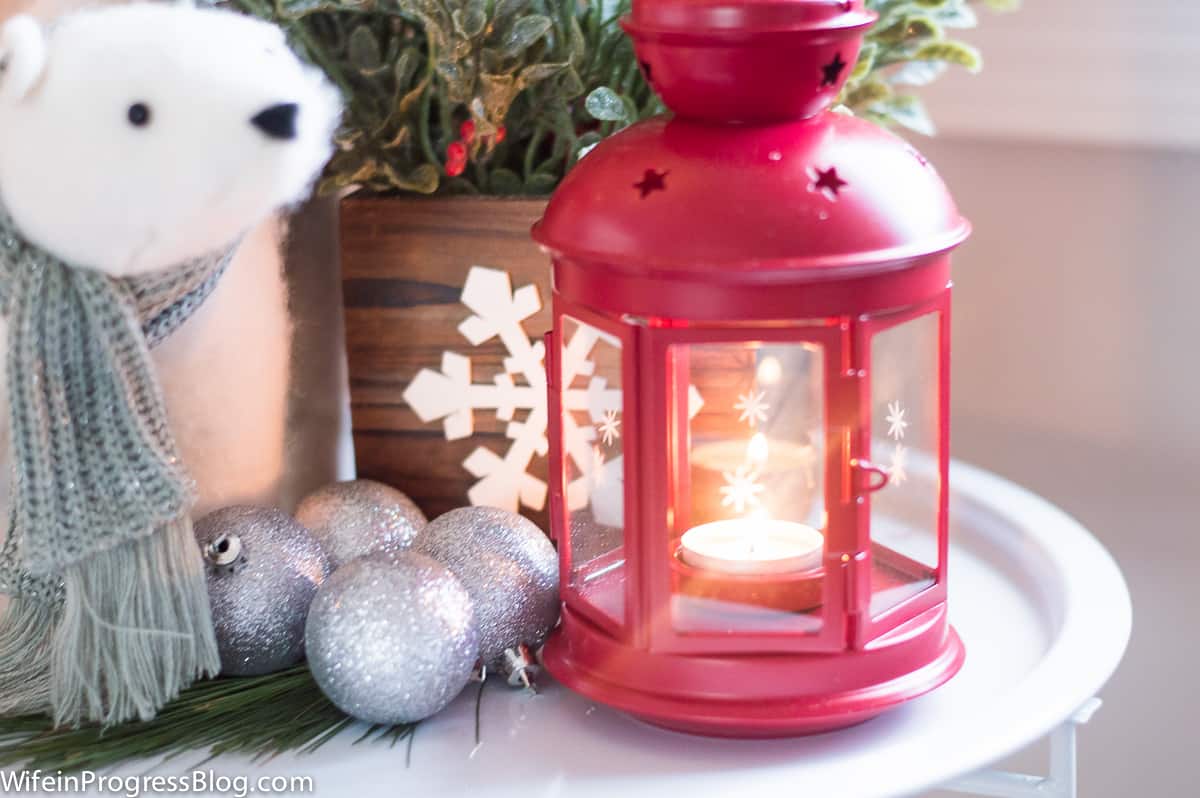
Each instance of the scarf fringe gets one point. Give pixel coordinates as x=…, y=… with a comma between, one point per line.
x=26, y=635
x=135, y=630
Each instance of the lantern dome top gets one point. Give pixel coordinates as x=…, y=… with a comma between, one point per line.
x=790, y=202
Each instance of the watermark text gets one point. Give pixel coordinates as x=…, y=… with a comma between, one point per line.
x=197, y=781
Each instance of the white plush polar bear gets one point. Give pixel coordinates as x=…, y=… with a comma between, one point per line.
x=135, y=138
x=82, y=180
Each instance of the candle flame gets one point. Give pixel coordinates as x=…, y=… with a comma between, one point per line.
x=770, y=370
x=756, y=450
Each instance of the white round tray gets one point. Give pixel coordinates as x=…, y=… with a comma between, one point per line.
x=1041, y=606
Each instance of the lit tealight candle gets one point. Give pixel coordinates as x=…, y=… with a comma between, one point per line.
x=753, y=546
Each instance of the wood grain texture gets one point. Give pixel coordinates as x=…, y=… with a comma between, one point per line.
x=404, y=262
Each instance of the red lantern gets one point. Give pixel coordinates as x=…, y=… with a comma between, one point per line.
x=749, y=358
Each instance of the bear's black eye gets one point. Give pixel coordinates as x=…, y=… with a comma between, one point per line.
x=139, y=115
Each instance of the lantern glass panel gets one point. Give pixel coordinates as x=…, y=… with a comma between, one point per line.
x=905, y=427
x=749, y=509
x=590, y=360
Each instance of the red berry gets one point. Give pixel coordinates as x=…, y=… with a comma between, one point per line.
x=455, y=168
x=456, y=152
x=467, y=131
x=501, y=134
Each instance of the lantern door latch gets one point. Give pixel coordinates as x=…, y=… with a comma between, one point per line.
x=869, y=477
x=1062, y=781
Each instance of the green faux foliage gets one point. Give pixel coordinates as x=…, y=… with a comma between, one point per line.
x=909, y=47
x=256, y=716
x=539, y=82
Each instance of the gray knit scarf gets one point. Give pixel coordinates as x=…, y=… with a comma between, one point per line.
x=109, y=618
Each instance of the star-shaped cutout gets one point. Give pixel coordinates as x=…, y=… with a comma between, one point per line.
x=832, y=72
x=827, y=181
x=652, y=181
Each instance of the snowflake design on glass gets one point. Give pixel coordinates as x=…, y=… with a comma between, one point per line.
x=741, y=489
x=450, y=395
x=754, y=408
x=610, y=427
x=898, y=471
x=895, y=420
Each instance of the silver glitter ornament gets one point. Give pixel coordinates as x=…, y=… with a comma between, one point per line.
x=510, y=569
x=263, y=571
x=392, y=638
x=360, y=517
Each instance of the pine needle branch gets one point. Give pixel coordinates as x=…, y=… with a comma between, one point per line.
x=259, y=717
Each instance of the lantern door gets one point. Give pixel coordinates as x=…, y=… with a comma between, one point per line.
x=905, y=357
x=589, y=364
x=753, y=511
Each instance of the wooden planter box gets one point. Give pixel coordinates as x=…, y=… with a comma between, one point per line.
x=404, y=266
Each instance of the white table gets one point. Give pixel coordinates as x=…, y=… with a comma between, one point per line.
x=1041, y=606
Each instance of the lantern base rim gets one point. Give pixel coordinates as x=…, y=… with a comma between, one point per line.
x=754, y=718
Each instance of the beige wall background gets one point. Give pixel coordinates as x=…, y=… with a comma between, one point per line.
x=1075, y=375
x=45, y=9
x=1077, y=156
x=1076, y=331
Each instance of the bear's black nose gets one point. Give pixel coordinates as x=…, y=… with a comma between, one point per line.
x=278, y=121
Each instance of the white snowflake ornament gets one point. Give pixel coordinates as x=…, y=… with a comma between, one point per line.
x=450, y=395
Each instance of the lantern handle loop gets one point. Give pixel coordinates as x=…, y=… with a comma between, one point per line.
x=880, y=474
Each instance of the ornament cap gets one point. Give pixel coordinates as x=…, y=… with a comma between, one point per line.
x=747, y=61
x=224, y=551
x=521, y=668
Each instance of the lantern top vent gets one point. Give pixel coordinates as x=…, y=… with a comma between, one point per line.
x=701, y=17
x=747, y=60
x=754, y=185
